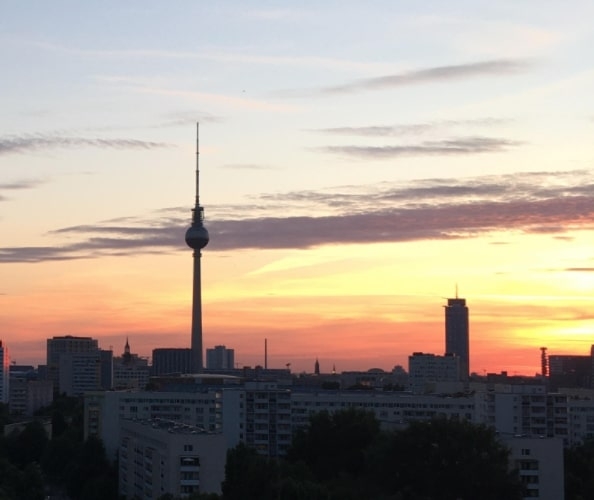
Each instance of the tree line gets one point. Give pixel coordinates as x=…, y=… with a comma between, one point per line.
x=32, y=466
x=339, y=456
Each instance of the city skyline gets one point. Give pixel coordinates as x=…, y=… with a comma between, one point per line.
x=358, y=162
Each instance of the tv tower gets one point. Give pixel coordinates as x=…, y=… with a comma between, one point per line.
x=197, y=238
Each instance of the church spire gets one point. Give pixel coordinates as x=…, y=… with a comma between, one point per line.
x=127, y=356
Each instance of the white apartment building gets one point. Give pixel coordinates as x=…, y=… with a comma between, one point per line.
x=259, y=415
x=104, y=411
x=581, y=420
x=526, y=410
x=392, y=409
x=264, y=416
x=158, y=457
x=540, y=465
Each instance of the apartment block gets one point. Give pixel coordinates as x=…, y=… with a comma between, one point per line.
x=104, y=411
x=425, y=371
x=159, y=456
x=540, y=465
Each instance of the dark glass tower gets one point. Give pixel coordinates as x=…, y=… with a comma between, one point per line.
x=456, y=334
x=197, y=238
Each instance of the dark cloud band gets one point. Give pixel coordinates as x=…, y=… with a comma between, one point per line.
x=540, y=203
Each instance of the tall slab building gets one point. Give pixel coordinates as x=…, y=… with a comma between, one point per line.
x=457, y=334
x=4, y=374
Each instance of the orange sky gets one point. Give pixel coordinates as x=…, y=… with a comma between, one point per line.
x=349, y=306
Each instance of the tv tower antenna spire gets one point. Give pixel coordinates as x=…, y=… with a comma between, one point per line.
x=197, y=238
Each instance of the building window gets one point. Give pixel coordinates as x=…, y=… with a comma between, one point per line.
x=189, y=461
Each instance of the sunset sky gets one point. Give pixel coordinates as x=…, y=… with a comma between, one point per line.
x=358, y=162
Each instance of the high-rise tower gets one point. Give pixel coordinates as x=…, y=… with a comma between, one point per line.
x=456, y=333
x=4, y=374
x=197, y=238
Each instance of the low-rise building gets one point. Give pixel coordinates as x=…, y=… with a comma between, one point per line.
x=220, y=358
x=28, y=396
x=130, y=371
x=425, y=371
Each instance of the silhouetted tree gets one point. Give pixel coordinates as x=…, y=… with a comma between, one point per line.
x=334, y=444
x=27, y=445
x=59, y=424
x=59, y=453
x=579, y=471
x=90, y=475
x=32, y=487
x=20, y=484
x=345, y=456
x=4, y=416
x=249, y=476
x=441, y=460
x=193, y=496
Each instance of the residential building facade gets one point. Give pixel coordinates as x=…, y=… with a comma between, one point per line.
x=427, y=370
x=220, y=358
x=158, y=457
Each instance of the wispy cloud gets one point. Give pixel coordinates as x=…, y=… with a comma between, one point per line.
x=240, y=100
x=18, y=186
x=437, y=74
x=458, y=146
x=531, y=203
x=234, y=55
x=247, y=166
x=183, y=118
x=22, y=184
x=411, y=128
x=35, y=142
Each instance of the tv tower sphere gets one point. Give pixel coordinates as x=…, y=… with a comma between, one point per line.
x=197, y=235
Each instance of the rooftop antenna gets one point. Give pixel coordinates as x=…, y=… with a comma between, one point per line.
x=197, y=204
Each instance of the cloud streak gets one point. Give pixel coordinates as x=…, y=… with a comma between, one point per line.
x=432, y=209
x=37, y=142
x=409, y=129
x=459, y=146
x=437, y=74
x=17, y=186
